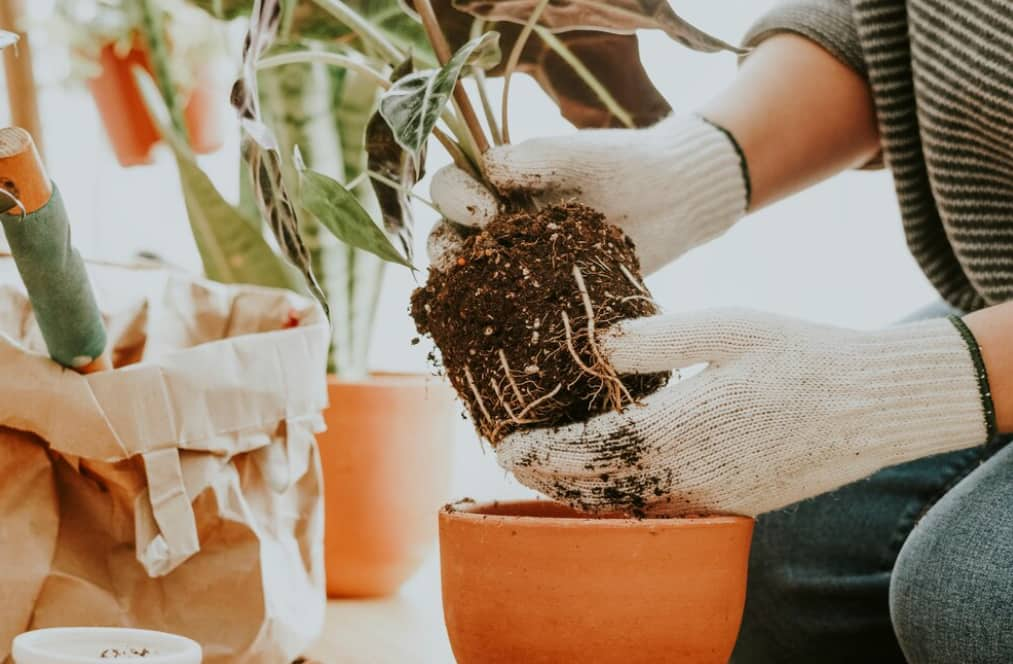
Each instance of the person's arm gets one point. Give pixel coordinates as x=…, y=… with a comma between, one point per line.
x=993, y=328
x=799, y=114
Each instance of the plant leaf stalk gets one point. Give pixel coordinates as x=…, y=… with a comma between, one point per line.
x=333, y=59
x=480, y=82
x=366, y=30
x=515, y=57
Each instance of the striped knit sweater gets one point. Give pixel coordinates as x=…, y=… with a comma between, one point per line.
x=941, y=73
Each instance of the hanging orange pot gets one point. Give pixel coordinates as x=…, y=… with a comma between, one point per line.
x=131, y=129
x=387, y=458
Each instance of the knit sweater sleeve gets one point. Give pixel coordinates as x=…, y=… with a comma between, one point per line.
x=829, y=23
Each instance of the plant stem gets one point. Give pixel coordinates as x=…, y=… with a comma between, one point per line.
x=366, y=31
x=515, y=57
x=443, y=54
x=461, y=160
x=477, y=28
x=585, y=75
x=153, y=32
x=323, y=57
x=398, y=186
x=490, y=115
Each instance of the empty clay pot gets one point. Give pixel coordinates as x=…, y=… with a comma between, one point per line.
x=538, y=582
x=386, y=457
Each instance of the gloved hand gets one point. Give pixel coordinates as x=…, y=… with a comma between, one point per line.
x=785, y=410
x=670, y=187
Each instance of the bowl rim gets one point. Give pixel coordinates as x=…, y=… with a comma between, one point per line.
x=34, y=644
x=468, y=510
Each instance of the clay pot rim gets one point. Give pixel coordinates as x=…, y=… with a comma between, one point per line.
x=472, y=512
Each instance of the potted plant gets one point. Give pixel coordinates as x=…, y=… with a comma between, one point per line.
x=106, y=39
x=320, y=69
x=417, y=95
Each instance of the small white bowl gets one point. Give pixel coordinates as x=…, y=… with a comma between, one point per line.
x=103, y=645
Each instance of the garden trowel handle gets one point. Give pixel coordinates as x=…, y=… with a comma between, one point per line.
x=35, y=223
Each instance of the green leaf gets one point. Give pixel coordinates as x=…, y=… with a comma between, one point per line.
x=7, y=39
x=413, y=105
x=339, y=211
x=232, y=247
x=619, y=16
x=388, y=159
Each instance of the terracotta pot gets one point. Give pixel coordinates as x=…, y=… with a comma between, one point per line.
x=130, y=127
x=203, y=112
x=537, y=582
x=386, y=457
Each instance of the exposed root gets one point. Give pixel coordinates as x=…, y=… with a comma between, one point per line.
x=636, y=283
x=618, y=395
x=503, y=402
x=510, y=377
x=537, y=402
x=477, y=394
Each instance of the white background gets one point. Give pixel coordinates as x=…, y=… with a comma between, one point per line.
x=834, y=254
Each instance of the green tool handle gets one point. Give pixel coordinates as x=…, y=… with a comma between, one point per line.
x=54, y=275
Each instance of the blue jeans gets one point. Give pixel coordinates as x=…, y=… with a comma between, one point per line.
x=912, y=565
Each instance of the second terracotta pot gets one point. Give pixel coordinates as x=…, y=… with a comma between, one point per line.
x=536, y=582
x=387, y=458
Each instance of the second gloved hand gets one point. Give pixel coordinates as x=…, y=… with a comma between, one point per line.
x=784, y=410
x=671, y=187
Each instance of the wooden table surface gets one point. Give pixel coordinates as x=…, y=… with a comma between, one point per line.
x=404, y=629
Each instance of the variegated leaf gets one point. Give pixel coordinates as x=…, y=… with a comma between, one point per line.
x=260, y=148
x=389, y=160
x=413, y=105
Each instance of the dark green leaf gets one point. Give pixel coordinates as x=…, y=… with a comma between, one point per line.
x=231, y=246
x=340, y=212
x=620, y=16
x=414, y=104
x=614, y=60
x=388, y=159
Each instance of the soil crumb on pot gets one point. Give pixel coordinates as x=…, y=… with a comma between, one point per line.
x=511, y=319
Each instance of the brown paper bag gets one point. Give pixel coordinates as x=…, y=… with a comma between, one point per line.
x=180, y=492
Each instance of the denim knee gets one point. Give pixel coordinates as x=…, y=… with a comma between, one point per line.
x=950, y=591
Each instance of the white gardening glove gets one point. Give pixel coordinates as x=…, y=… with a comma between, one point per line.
x=785, y=410
x=671, y=187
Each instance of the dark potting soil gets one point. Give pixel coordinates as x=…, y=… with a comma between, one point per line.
x=510, y=319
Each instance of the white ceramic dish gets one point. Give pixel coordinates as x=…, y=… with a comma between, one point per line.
x=102, y=645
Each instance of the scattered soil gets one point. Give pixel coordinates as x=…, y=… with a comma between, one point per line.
x=511, y=319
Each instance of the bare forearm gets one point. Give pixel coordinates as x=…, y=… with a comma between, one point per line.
x=800, y=116
x=992, y=329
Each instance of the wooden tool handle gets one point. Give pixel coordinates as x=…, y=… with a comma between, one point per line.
x=53, y=272
x=21, y=90
x=22, y=174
